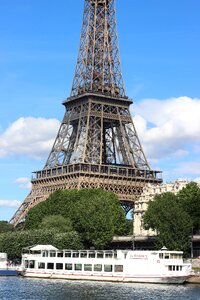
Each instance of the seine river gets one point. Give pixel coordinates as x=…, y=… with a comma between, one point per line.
x=29, y=289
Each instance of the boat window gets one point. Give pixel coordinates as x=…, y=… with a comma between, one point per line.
x=68, y=267
x=161, y=255
x=50, y=266
x=83, y=254
x=118, y=268
x=59, y=266
x=41, y=265
x=75, y=254
x=87, y=267
x=26, y=263
x=60, y=254
x=91, y=255
x=166, y=255
x=97, y=268
x=175, y=268
x=99, y=254
x=78, y=267
x=31, y=264
x=107, y=268
x=67, y=254
x=44, y=253
x=175, y=256
x=108, y=255
x=52, y=253
x=170, y=268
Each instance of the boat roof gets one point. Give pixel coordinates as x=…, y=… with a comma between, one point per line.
x=43, y=247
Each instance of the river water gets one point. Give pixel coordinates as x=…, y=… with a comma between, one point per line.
x=35, y=289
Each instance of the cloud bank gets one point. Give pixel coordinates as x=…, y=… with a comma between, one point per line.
x=32, y=137
x=23, y=183
x=9, y=203
x=168, y=127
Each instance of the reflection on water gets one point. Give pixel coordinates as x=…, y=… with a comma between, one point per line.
x=29, y=289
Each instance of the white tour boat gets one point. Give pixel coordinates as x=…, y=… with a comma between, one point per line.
x=46, y=261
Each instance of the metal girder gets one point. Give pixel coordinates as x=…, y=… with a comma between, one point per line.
x=98, y=65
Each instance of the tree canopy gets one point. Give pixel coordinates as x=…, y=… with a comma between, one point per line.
x=175, y=217
x=95, y=214
x=5, y=226
x=189, y=199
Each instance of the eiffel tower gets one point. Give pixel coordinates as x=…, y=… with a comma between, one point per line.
x=97, y=145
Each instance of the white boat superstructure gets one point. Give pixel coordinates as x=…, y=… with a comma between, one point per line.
x=46, y=261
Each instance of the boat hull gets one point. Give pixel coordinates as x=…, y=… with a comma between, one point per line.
x=136, y=279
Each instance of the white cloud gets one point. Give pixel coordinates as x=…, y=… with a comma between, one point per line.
x=23, y=183
x=197, y=179
x=188, y=168
x=168, y=128
x=9, y=203
x=32, y=137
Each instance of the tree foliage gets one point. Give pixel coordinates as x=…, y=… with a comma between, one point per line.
x=172, y=223
x=13, y=242
x=189, y=199
x=94, y=213
x=57, y=222
x=5, y=226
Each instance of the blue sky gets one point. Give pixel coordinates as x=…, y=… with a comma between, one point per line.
x=159, y=48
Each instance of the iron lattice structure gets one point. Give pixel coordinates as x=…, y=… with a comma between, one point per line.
x=97, y=144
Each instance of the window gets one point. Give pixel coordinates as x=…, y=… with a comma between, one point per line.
x=170, y=268
x=166, y=255
x=60, y=254
x=50, y=266
x=83, y=254
x=118, y=268
x=99, y=254
x=97, y=268
x=26, y=263
x=75, y=254
x=68, y=267
x=31, y=264
x=161, y=255
x=108, y=255
x=91, y=255
x=52, y=253
x=44, y=253
x=67, y=254
x=88, y=267
x=41, y=265
x=59, y=266
x=78, y=267
x=107, y=268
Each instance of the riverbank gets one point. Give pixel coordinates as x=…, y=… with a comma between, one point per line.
x=195, y=278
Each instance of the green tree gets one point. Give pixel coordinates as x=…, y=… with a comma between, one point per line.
x=189, y=199
x=61, y=202
x=95, y=214
x=5, y=226
x=13, y=242
x=167, y=217
x=57, y=222
x=98, y=217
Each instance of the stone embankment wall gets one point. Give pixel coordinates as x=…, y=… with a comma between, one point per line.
x=196, y=263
